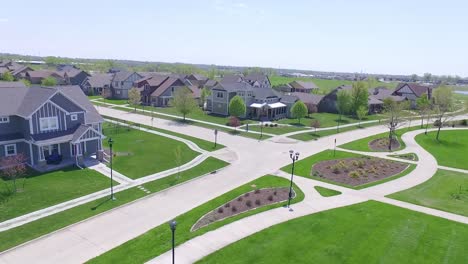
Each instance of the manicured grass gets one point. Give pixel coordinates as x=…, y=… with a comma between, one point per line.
x=363, y=143
x=140, y=153
x=325, y=192
x=114, y=101
x=47, y=189
x=369, y=232
x=203, y=144
x=326, y=120
x=446, y=191
x=18, y=235
x=451, y=148
x=303, y=168
x=279, y=130
x=91, y=97
x=307, y=136
x=158, y=240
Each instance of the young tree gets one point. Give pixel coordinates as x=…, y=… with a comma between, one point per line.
x=7, y=77
x=423, y=105
x=234, y=121
x=394, y=111
x=237, y=106
x=361, y=113
x=359, y=96
x=311, y=109
x=205, y=93
x=299, y=110
x=134, y=97
x=49, y=81
x=315, y=124
x=184, y=102
x=443, y=103
x=343, y=104
x=14, y=167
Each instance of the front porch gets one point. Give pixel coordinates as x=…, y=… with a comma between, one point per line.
x=267, y=112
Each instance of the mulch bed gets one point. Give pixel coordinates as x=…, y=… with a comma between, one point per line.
x=381, y=144
x=357, y=171
x=243, y=203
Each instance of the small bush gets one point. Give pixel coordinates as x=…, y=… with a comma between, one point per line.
x=234, y=209
x=270, y=198
x=257, y=191
x=248, y=203
x=257, y=202
x=220, y=210
x=247, y=194
x=240, y=199
x=275, y=193
x=271, y=125
x=336, y=168
x=227, y=205
x=354, y=174
x=464, y=122
x=276, y=125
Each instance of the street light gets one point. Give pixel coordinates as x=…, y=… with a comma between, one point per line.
x=173, y=225
x=110, y=141
x=216, y=137
x=294, y=157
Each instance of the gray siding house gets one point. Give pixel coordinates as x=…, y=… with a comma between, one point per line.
x=122, y=82
x=43, y=121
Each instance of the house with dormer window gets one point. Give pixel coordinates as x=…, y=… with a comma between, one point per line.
x=49, y=125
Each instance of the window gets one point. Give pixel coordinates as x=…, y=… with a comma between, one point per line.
x=117, y=92
x=74, y=117
x=4, y=119
x=116, y=84
x=219, y=95
x=48, y=123
x=10, y=150
x=48, y=150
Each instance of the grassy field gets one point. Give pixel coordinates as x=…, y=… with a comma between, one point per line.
x=279, y=130
x=369, y=232
x=203, y=144
x=326, y=120
x=139, y=153
x=158, y=240
x=303, y=168
x=446, y=191
x=35, y=229
x=114, y=101
x=324, y=85
x=325, y=192
x=450, y=150
x=307, y=136
x=47, y=189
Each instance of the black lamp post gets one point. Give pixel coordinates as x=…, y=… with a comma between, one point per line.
x=294, y=157
x=261, y=129
x=110, y=141
x=173, y=225
x=216, y=137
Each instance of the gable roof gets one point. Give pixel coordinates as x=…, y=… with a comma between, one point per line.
x=231, y=78
x=417, y=89
x=123, y=76
x=21, y=69
x=255, y=77
x=303, y=85
x=264, y=93
x=211, y=83
x=308, y=97
x=99, y=79
x=72, y=72
x=197, y=77
x=233, y=87
x=43, y=74
x=171, y=81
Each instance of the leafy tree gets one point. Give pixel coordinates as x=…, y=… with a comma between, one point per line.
x=8, y=77
x=49, y=81
x=14, y=167
x=361, y=113
x=311, y=109
x=414, y=77
x=427, y=77
x=443, y=103
x=394, y=111
x=237, y=106
x=299, y=110
x=134, y=97
x=359, y=96
x=205, y=93
x=315, y=124
x=423, y=105
x=26, y=82
x=184, y=102
x=343, y=104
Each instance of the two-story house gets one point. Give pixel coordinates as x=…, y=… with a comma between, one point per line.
x=412, y=91
x=43, y=121
x=121, y=83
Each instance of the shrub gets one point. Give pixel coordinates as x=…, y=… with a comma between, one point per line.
x=336, y=168
x=220, y=210
x=361, y=164
x=275, y=193
x=276, y=125
x=248, y=203
x=354, y=174
x=234, y=209
x=247, y=194
x=257, y=202
x=257, y=191
x=464, y=122
x=270, y=198
x=271, y=125
x=227, y=205
x=234, y=121
x=239, y=199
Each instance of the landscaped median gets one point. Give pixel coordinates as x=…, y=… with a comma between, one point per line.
x=369, y=232
x=158, y=240
x=348, y=169
x=43, y=226
x=314, y=135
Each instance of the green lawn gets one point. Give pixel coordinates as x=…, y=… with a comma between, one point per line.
x=363, y=143
x=47, y=189
x=326, y=120
x=303, y=168
x=446, y=191
x=325, y=192
x=158, y=240
x=21, y=234
x=451, y=148
x=203, y=144
x=114, y=101
x=369, y=232
x=307, y=136
x=140, y=153
x=279, y=130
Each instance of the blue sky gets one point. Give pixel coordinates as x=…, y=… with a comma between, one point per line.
x=369, y=36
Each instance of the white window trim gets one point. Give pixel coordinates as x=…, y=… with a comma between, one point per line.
x=6, y=150
x=48, y=123
x=74, y=117
x=4, y=119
